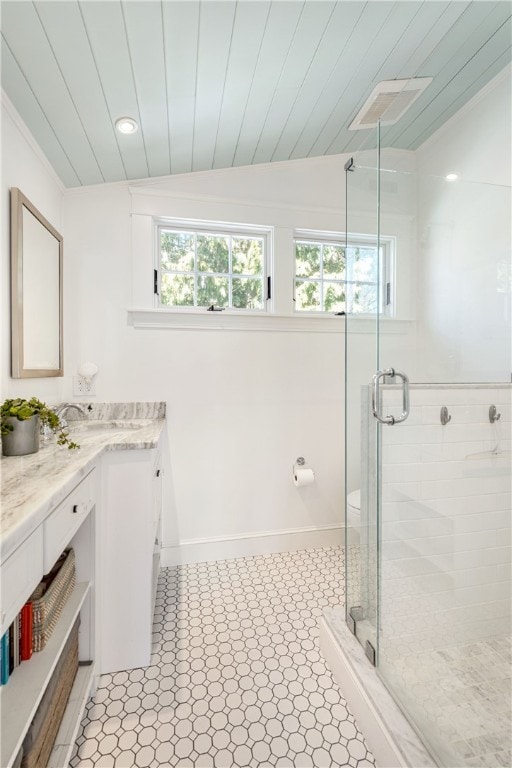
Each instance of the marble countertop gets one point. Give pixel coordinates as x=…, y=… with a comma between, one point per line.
x=31, y=486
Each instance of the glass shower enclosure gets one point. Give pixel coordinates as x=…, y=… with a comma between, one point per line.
x=428, y=454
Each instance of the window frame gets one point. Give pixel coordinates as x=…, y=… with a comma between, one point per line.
x=387, y=245
x=218, y=229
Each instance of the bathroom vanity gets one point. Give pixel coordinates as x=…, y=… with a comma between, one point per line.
x=104, y=500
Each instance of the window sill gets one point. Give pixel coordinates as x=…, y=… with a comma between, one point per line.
x=259, y=321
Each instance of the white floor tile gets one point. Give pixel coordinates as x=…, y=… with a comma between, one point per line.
x=236, y=678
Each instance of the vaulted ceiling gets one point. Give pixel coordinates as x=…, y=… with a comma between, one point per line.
x=215, y=84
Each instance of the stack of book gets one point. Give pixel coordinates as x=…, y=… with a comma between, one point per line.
x=16, y=643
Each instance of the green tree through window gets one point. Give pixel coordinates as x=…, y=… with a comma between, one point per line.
x=335, y=276
x=199, y=268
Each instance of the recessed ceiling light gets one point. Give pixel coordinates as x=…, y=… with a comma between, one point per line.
x=452, y=176
x=126, y=125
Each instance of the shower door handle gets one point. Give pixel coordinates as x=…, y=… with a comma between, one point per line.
x=378, y=377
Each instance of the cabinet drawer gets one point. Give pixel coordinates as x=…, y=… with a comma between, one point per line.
x=60, y=527
x=19, y=576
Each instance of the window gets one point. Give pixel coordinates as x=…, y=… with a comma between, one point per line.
x=338, y=273
x=224, y=268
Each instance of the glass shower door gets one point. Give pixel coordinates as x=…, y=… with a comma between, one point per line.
x=444, y=549
x=364, y=301
x=428, y=472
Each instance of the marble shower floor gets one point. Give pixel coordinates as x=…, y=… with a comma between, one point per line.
x=236, y=677
x=461, y=697
x=457, y=690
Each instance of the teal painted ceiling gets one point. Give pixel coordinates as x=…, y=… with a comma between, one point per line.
x=216, y=84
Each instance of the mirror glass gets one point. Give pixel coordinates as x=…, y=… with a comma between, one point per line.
x=36, y=264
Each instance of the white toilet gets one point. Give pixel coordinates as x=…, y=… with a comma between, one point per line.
x=354, y=516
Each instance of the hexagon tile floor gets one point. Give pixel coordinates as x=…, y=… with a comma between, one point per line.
x=236, y=677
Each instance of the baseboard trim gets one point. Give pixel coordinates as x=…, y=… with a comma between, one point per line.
x=387, y=732
x=261, y=543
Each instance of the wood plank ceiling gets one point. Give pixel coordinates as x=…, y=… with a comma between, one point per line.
x=220, y=83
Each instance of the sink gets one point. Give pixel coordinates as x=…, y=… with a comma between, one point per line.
x=89, y=425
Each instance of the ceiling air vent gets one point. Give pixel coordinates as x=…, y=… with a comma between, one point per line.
x=388, y=101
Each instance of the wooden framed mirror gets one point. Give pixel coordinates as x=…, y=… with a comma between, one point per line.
x=36, y=292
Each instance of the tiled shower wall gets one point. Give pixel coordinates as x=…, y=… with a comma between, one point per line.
x=446, y=518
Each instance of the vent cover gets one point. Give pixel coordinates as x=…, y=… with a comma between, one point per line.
x=388, y=101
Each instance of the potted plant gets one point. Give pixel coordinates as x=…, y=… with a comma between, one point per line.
x=20, y=423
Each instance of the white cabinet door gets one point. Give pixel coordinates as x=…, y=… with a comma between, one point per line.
x=127, y=547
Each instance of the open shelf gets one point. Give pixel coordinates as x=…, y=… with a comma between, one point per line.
x=70, y=724
x=21, y=696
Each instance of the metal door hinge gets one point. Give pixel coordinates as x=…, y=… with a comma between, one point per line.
x=370, y=652
x=354, y=615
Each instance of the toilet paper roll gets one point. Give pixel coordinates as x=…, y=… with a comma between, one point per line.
x=302, y=476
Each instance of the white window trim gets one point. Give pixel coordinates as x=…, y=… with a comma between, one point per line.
x=386, y=242
x=302, y=322
x=142, y=315
x=220, y=228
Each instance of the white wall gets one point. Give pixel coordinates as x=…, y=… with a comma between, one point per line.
x=475, y=142
x=464, y=236
x=23, y=166
x=241, y=405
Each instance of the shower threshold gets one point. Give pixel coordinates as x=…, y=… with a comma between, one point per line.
x=388, y=733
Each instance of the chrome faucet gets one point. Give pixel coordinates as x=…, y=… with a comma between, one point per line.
x=60, y=410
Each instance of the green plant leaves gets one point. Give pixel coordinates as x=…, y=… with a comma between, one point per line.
x=22, y=410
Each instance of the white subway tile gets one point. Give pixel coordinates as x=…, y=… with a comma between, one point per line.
x=446, y=517
x=400, y=473
x=400, y=492
x=456, y=396
x=474, y=504
x=417, y=547
x=481, y=593
x=504, y=572
x=413, y=529
x=453, y=451
x=487, y=521
x=393, y=570
x=436, y=434
x=461, y=561
x=397, y=454
x=469, y=577
x=478, y=541
x=498, y=555
x=465, y=486
x=415, y=435
x=409, y=510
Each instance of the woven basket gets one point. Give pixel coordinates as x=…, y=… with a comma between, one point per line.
x=49, y=597
x=40, y=738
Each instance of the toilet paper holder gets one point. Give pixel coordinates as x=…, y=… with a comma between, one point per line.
x=302, y=475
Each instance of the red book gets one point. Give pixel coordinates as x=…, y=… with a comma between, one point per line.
x=26, y=632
